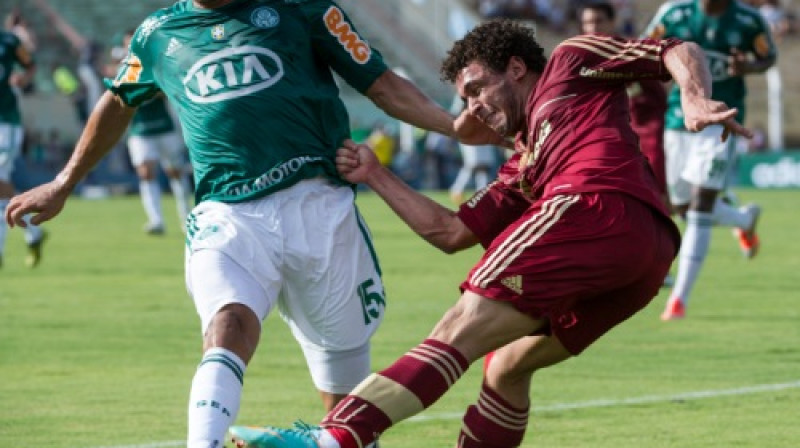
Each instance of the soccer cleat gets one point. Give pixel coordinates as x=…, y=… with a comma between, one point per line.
x=301, y=436
x=748, y=239
x=674, y=310
x=154, y=229
x=34, y=256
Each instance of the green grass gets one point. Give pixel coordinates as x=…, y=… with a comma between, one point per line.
x=98, y=345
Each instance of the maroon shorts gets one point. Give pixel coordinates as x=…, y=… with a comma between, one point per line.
x=583, y=262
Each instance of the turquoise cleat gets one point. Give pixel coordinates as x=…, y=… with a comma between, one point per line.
x=301, y=436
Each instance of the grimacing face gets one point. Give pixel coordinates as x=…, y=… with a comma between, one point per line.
x=595, y=21
x=489, y=97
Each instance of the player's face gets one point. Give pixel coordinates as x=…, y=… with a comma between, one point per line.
x=491, y=98
x=595, y=21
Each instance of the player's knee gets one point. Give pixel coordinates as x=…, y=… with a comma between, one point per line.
x=235, y=327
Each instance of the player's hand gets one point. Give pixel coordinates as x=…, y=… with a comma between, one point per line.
x=355, y=162
x=737, y=63
x=472, y=131
x=44, y=201
x=698, y=113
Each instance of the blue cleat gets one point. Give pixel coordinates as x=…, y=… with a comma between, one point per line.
x=301, y=436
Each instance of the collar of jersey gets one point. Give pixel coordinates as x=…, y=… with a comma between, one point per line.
x=233, y=4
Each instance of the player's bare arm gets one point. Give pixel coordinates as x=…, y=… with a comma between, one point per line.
x=106, y=125
x=739, y=64
x=401, y=99
x=434, y=223
x=24, y=78
x=686, y=63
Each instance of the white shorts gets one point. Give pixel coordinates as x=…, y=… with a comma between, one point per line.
x=697, y=159
x=305, y=249
x=166, y=148
x=10, y=147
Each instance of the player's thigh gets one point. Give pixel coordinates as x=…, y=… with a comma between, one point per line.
x=230, y=259
x=334, y=295
x=171, y=151
x=570, y=249
x=676, y=151
x=333, y=299
x=10, y=146
x=142, y=149
x=710, y=159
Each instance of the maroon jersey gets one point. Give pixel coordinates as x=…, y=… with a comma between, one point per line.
x=579, y=138
x=648, y=103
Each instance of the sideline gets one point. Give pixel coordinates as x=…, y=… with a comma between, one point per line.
x=602, y=403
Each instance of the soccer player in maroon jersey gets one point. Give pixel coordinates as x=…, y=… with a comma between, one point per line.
x=648, y=97
x=577, y=238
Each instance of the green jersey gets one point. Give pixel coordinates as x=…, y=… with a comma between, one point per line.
x=9, y=57
x=253, y=88
x=740, y=27
x=152, y=118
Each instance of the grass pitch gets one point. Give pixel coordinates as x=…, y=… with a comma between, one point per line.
x=98, y=345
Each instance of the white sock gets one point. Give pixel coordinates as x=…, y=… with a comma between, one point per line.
x=730, y=216
x=151, y=200
x=326, y=440
x=33, y=233
x=696, y=240
x=214, y=399
x=3, y=225
x=180, y=189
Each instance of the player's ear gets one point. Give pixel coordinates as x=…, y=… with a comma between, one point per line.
x=516, y=68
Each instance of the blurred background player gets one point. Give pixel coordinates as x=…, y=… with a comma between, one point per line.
x=153, y=138
x=90, y=53
x=737, y=42
x=648, y=98
x=14, y=53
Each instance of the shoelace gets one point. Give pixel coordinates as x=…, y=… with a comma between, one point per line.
x=305, y=429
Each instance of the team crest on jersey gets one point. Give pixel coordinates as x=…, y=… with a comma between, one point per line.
x=265, y=17
x=218, y=32
x=339, y=28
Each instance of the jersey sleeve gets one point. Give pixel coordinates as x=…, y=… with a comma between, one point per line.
x=615, y=59
x=491, y=210
x=135, y=82
x=338, y=43
x=21, y=54
x=763, y=45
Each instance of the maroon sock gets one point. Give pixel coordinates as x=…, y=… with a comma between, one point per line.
x=492, y=423
x=414, y=382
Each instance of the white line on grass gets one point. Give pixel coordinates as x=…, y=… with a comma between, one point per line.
x=602, y=403
x=611, y=402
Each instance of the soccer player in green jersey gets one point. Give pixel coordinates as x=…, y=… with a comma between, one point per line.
x=737, y=42
x=274, y=225
x=13, y=53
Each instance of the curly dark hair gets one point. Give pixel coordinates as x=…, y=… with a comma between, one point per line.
x=494, y=43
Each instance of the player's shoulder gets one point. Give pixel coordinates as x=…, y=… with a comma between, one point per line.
x=748, y=16
x=589, y=43
x=153, y=22
x=675, y=11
